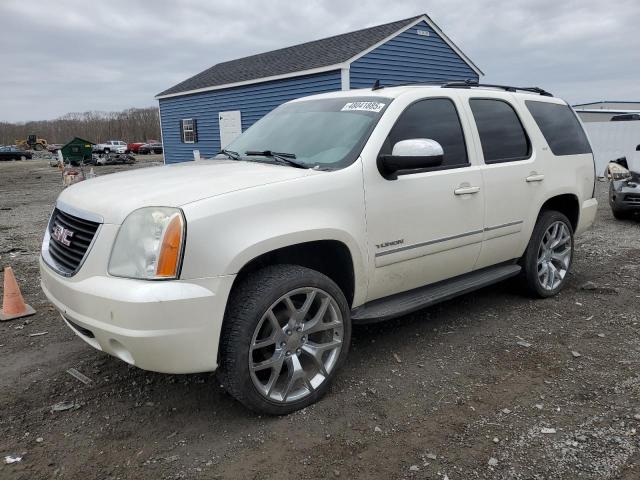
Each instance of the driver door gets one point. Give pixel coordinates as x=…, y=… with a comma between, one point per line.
x=426, y=225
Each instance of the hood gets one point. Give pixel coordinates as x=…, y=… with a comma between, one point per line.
x=116, y=195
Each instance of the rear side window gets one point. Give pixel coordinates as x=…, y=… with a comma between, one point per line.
x=502, y=135
x=436, y=119
x=560, y=128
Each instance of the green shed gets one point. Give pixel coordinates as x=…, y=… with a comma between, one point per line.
x=77, y=151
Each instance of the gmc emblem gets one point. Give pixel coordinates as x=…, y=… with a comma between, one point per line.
x=61, y=234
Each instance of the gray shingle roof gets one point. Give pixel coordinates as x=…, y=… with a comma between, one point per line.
x=306, y=56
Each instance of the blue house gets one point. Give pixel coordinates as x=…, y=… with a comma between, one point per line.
x=205, y=112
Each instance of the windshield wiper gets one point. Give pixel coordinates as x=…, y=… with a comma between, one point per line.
x=288, y=158
x=231, y=154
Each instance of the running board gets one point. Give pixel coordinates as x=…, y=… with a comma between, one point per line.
x=408, y=302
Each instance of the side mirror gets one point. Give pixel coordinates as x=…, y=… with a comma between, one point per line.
x=615, y=171
x=410, y=155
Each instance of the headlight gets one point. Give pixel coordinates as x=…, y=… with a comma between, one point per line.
x=617, y=172
x=149, y=244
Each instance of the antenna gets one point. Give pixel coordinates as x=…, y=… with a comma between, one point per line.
x=377, y=86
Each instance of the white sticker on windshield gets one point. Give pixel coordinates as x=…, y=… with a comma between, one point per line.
x=363, y=106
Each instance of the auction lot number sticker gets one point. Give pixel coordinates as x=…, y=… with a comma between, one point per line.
x=363, y=107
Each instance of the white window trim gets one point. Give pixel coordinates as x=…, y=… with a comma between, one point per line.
x=191, y=130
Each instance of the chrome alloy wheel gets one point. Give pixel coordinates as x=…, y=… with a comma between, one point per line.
x=296, y=345
x=554, y=255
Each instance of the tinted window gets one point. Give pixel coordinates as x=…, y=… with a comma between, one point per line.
x=560, y=128
x=436, y=119
x=502, y=136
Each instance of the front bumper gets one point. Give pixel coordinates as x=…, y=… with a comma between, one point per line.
x=624, y=196
x=162, y=326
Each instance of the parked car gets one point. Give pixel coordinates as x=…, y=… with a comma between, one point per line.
x=13, y=153
x=133, y=147
x=625, y=117
x=340, y=208
x=150, y=148
x=115, y=146
x=624, y=189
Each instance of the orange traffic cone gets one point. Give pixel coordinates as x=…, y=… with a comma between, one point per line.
x=13, y=305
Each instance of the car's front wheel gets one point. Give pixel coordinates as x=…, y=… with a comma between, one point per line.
x=285, y=334
x=548, y=257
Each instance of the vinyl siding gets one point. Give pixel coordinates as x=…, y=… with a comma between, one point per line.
x=253, y=101
x=410, y=58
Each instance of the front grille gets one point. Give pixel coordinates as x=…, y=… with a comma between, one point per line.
x=633, y=198
x=77, y=232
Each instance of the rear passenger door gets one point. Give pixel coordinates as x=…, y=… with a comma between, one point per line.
x=512, y=176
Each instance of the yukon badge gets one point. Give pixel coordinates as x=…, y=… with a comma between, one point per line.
x=391, y=243
x=62, y=234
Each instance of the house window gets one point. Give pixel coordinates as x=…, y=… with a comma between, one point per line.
x=189, y=128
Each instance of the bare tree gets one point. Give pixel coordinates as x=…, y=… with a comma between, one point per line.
x=131, y=125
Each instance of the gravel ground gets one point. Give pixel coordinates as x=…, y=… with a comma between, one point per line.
x=490, y=385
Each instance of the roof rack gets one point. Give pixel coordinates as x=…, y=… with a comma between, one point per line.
x=508, y=88
x=468, y=84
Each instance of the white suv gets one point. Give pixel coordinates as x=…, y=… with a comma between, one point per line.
x=115, y=146
x=335, y=209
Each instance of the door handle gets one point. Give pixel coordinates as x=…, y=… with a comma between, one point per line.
x=535, y=178
x=466, y=190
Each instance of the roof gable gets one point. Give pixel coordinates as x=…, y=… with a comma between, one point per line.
x=307, y=57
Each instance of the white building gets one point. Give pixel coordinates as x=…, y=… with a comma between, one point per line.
x=611, y=140
x=604, y=110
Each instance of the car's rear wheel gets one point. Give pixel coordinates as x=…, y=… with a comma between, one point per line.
x=286, y=333
x=548, y=257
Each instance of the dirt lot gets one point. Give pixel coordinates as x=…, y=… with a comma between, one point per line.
x=490, y=385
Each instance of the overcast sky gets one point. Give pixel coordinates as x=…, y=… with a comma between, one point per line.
x=77, y=55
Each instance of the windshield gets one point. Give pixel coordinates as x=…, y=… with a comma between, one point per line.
x=326, y=133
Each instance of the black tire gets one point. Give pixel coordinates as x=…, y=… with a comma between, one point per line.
x=248, y=302
x=106, y=151
x=621, y=215
x=529, y=260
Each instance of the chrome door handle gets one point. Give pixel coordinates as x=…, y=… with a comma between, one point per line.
x=535, y=178
x=466, y=190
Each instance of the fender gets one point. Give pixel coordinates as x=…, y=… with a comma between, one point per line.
x=249, y=223
x=267, y=245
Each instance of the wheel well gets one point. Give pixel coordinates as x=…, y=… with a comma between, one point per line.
x=566, y=204
x=330, y=257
